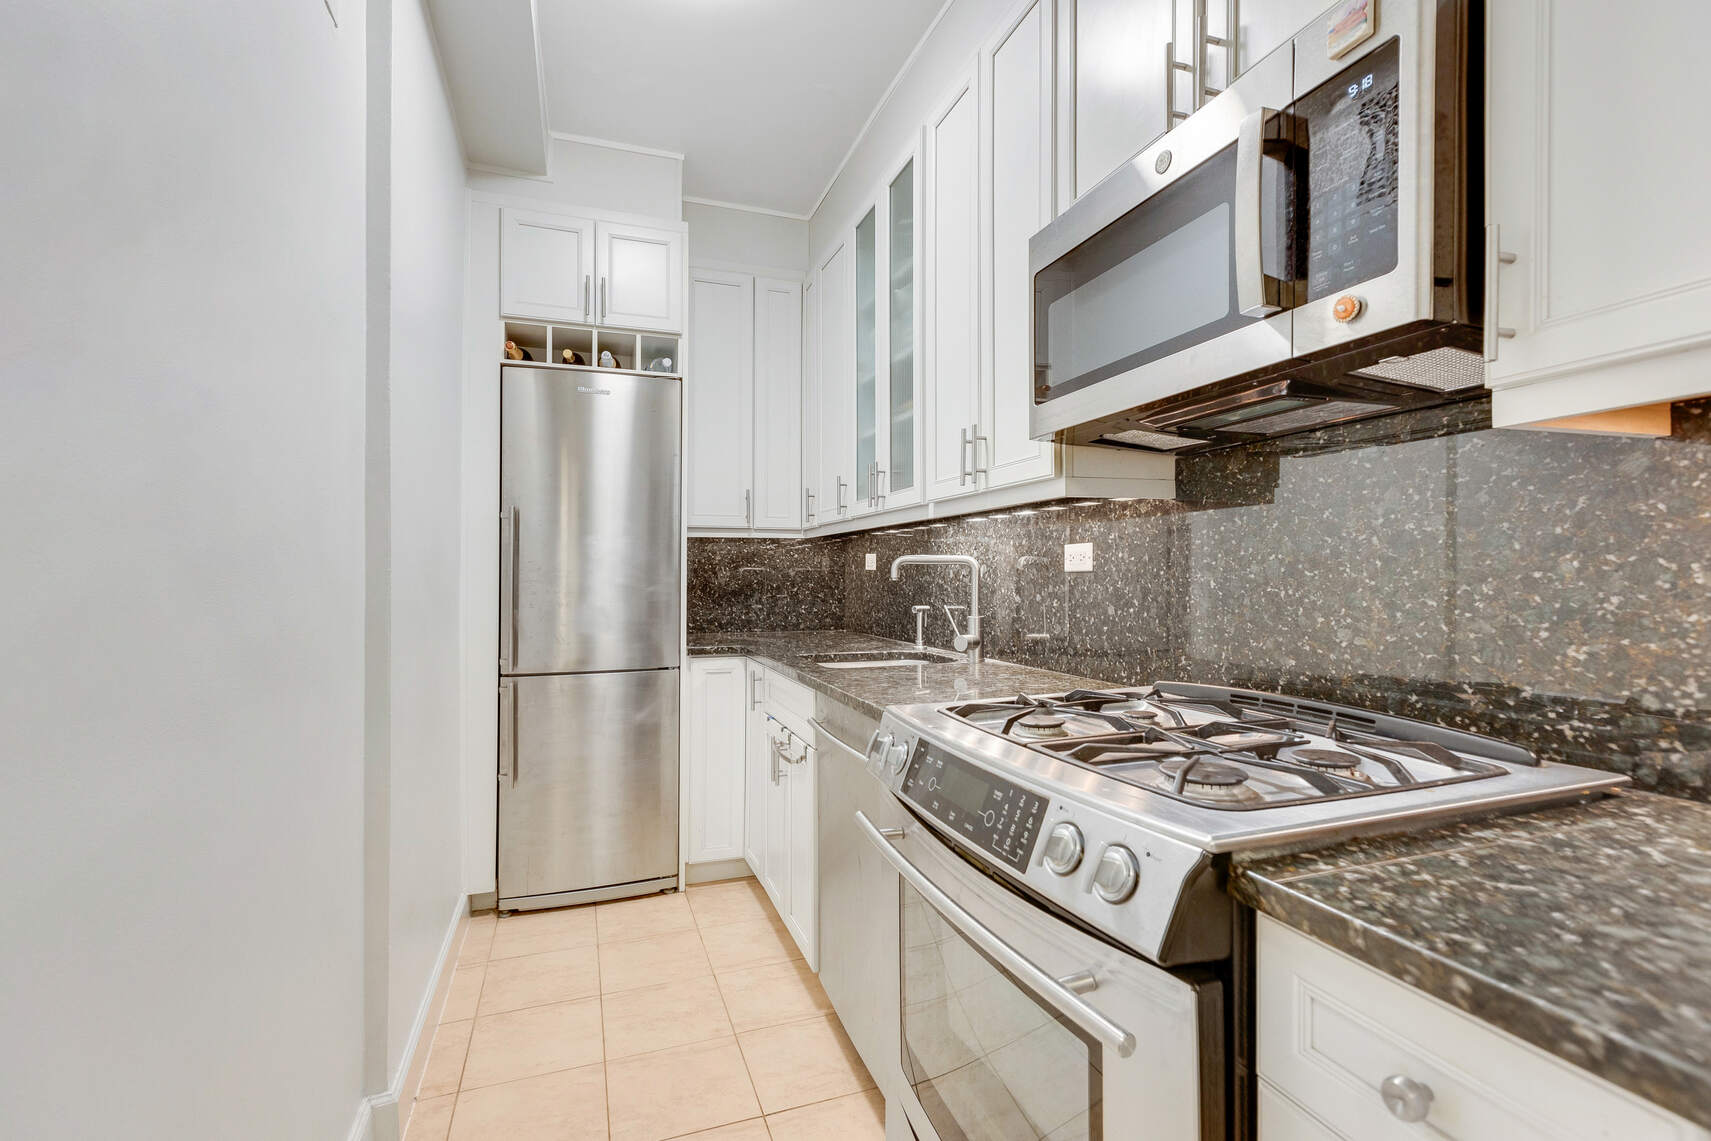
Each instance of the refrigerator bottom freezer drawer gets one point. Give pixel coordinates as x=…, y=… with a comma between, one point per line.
x=591, y=797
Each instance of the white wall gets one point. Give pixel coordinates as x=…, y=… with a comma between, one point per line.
x=181, y=588
x=426, y=382
x=598, y=177
x=722, y=237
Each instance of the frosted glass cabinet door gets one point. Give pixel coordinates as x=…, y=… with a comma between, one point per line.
x=900, y=475
x=546, y=266
x=866, y=364
x=640, y=282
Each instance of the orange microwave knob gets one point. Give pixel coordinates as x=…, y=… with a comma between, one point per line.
x=1347, y=307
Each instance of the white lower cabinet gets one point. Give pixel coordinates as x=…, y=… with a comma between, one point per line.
x=780, y=834
x=716, y=738
x=1332, y=1033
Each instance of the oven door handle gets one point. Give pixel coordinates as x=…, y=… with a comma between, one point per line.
x=1061, y=996
x=1257, y=293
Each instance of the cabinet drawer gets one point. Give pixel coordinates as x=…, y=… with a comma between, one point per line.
x=1331, y=1029
x=791, y=702
x=1280, y=1119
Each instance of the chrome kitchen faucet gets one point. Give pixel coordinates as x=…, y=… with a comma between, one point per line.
x=967, y=641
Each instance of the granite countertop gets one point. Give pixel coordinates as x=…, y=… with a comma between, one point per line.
x=1583, y=929
x=870, y=691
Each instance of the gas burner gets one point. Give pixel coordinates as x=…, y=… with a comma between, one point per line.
x=1329, y=760
x=1211, y=782
x=1039, y=726
x=1207, y=774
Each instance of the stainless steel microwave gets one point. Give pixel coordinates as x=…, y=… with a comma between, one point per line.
x=1305, y=250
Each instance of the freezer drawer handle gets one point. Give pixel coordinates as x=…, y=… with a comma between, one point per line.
x=508, y=732
x=1062, y=995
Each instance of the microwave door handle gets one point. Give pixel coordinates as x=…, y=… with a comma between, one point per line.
x=1257, y=295
x=1064, y=994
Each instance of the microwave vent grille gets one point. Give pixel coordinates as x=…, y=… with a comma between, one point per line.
x=1446, y=369
x=1312, y=416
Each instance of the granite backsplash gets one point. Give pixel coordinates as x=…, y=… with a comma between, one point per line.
x=765, y=584
x=1551, y=589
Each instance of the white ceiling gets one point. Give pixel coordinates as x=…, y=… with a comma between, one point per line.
x=762, y=97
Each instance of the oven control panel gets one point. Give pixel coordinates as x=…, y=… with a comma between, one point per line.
x=989, y=812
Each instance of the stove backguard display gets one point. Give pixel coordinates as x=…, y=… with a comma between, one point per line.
x=995, y=815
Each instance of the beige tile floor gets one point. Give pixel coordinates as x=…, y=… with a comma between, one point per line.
x=682, y=1015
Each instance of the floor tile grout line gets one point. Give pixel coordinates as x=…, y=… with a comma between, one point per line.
x=724, y=1003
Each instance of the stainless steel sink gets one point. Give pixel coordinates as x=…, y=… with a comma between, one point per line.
x=882, y=659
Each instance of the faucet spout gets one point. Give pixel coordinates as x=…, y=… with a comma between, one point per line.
x=966, y=640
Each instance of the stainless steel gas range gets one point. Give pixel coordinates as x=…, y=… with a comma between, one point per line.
x=1071, y=962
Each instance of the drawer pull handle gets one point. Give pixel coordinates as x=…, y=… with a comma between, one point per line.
x=1405, y=1098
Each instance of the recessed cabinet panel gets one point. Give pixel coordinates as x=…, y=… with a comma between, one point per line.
x=778, y=405
x=953, y=277
x=1120, y=78
x=640, y=277
x=1020, y=176
x=836, y=393
x=720, y=394
x=546, y=266
x=716, y=736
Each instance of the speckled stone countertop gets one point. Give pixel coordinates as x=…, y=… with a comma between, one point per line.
x=870, y=691
x=1585, y=929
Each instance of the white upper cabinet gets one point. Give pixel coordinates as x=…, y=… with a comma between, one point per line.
x=1265, y=26
x=835, y=394
x=641, y=277
x=1019, y=73
x=953, y=294
x=546, y=266
x=778, y=497
x=1122, y=82
x=1598, y=258
x=555, y=267
x=719, y=390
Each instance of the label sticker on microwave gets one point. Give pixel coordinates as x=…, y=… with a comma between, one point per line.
x=1352, y=23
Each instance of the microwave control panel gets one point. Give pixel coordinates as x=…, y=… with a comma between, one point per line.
x=984, y=810
x=1353, y=146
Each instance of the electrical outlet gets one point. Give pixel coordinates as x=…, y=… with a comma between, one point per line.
x=1077, y=557
x=872, y=561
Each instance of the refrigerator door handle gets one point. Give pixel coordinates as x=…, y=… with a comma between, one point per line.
x=508, y=731
x=508, y=540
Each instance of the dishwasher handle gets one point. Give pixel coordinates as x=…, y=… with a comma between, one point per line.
x=1060, y=994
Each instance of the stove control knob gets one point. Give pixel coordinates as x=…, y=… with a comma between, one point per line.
x=898, y=755
x=881, y=743
x=1118, y=874
x=1064, y=848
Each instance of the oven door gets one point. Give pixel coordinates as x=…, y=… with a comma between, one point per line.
x=1014, y=1025
x=1173, y=272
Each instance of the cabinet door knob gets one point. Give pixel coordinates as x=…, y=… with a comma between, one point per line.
x=1405, y=1098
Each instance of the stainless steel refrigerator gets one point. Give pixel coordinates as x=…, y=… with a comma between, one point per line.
x=590, y=595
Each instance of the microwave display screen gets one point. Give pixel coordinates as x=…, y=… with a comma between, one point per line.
x=1352, y=139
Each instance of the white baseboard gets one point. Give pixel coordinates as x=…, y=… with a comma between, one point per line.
x=715, y=870
x=382, y=1116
